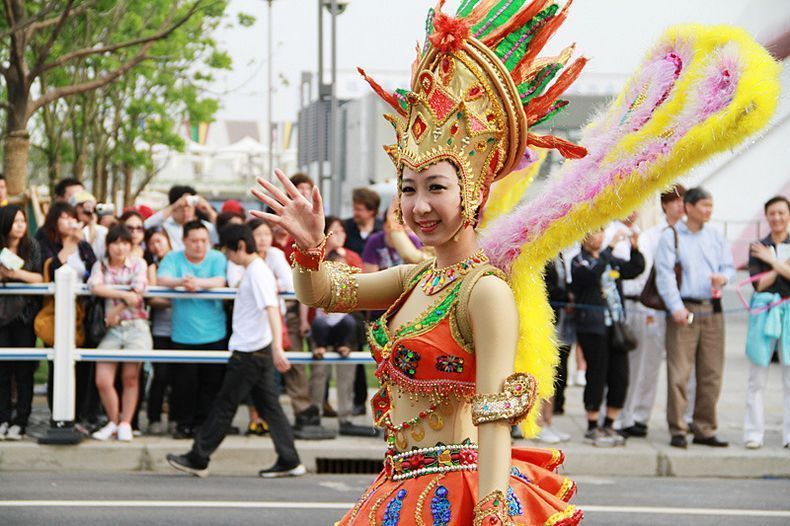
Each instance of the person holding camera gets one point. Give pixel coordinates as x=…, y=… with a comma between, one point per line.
x=769, y=322
x=62, y=243
x=695, y=332
x=183, y=208
x=87, y=212
x=596, y=283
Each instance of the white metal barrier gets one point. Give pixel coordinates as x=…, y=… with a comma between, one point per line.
x=65, y=353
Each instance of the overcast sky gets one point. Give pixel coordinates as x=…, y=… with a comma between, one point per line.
x=380, y=35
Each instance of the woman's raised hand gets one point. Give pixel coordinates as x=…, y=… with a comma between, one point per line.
x=300, y=217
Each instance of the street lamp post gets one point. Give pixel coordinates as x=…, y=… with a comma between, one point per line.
x=270, y=165
x=329, y=91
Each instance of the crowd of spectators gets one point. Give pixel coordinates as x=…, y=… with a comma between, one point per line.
x=596, y=291
x=181, y=246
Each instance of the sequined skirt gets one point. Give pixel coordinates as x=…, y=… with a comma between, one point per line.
x=446, y=494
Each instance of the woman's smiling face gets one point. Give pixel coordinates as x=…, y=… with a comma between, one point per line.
x=431, y=202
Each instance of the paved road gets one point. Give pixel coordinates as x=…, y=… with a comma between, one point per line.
x=120, y=499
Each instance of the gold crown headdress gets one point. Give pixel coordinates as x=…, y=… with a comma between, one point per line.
x=476, y=88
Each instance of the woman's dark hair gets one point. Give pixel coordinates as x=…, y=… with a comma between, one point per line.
x=131, y=213
x=50, y=227
x=156, y=230
x=118, y=232
x=7, y=217
x=331, y=220
x=256, y=222
x=149, y=257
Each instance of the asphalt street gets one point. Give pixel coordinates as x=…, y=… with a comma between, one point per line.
x=145, y=498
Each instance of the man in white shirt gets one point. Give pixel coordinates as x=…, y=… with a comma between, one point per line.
x=256, y=343
x=181, y=210
x=647, y=325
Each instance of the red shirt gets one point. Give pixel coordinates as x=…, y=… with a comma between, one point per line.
x=288, y=247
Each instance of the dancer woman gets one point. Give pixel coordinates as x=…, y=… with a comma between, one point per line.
x=446, y=346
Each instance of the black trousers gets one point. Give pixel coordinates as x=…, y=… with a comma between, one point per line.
x=195, y=386
x=159, y=383
x=247, y=374
x=561, y=379
x=342, y=333
x=17, y=334
x=606, y=370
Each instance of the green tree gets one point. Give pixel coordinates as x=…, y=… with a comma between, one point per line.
x=38, y=37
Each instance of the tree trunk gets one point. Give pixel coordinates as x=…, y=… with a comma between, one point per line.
x=114, y=187
x=53, y=166
x=128, y=175
x=16, y=149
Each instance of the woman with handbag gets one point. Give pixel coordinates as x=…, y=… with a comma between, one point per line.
x=62, y=243
x=127, y=328
x=16, y=318
x=601, y=330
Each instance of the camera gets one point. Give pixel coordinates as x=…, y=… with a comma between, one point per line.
x=193, y=200
x=105, y=209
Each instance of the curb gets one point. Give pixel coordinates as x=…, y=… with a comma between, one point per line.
x=246, y=455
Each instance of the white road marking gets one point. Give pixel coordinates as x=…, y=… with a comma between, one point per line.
x=728, y=512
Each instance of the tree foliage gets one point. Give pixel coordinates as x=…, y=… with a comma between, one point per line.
x=97, y=85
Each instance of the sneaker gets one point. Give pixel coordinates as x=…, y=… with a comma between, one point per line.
x=278, y=470
x=619, y=440
x=156, y=428
x=753, y=444
x=581, y=378
x=15, y=433
x=107, y=432
x=563, y=436
x=186, y=464
x=548, y=436
x=598, y=438
x=125, y=433
x=3, y=430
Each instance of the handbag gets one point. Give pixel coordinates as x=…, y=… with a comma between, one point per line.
x=623, y=339
x=95, y=322
x=650, y=297
x=44, y=323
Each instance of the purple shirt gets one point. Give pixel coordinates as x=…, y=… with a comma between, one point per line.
x=378, y=253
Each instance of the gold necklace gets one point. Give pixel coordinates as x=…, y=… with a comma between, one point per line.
x=437, y=279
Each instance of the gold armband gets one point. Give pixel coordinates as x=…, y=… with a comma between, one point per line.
x=343, y=286
x=512, y=404
x=492, y=510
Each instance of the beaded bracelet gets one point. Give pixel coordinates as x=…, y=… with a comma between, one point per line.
x=309, y=259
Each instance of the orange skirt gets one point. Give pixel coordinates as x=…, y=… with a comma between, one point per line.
x=537, y=496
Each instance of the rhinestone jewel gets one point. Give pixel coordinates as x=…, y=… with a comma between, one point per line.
x=437, y=279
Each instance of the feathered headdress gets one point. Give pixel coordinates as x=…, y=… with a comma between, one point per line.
x=476, y=88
